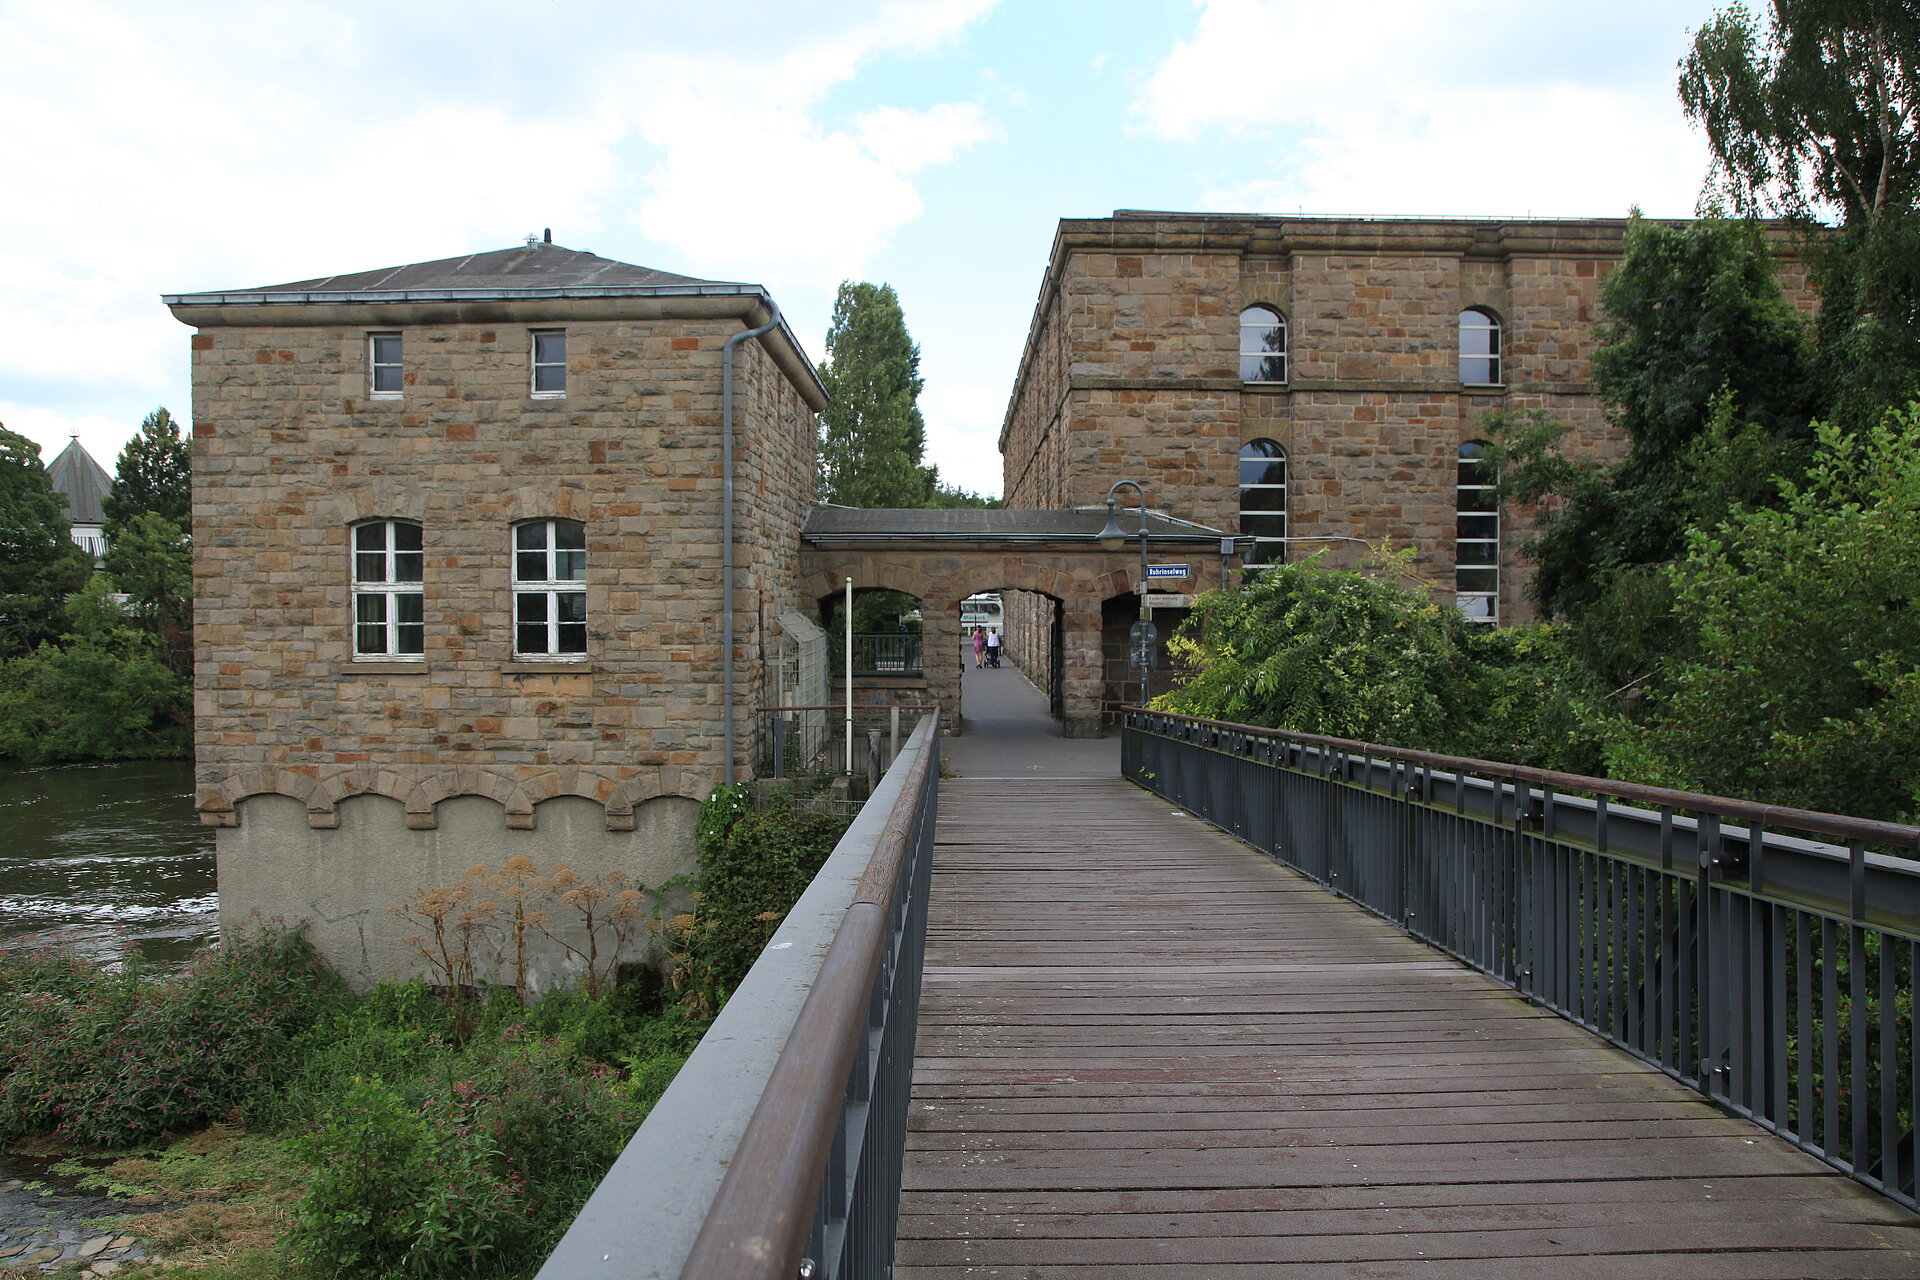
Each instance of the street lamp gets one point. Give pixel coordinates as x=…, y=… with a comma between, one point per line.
x=1112, y=537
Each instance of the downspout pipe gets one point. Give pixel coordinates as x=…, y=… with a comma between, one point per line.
x=726, y=527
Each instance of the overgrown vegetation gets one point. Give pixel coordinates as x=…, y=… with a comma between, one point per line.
x=415, y=1130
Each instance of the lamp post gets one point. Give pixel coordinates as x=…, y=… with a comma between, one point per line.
x=1112, y=537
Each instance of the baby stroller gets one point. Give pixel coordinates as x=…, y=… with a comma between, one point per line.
x=993, y=655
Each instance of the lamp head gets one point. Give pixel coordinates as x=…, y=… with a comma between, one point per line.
x=1111, y=537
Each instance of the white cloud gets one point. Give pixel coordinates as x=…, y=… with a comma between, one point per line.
x=1403, y=106
x=101, y=437
x=750, y=176
x=164, y=149
x=965, y=445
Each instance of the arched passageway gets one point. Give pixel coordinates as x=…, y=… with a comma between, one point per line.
x=1049, y=567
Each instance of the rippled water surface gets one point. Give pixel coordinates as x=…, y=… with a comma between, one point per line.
x=105, y=854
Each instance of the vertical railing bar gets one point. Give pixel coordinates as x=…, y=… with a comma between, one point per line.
x=1858, y=1113
x=1778, y=1069
x=1889, y=1069
x=1712, y=1034
x=1831, y=1137
x=1806, y=952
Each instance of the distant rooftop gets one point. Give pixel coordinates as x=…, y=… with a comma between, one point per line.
x=539, y=269
x=826, y=524
x=84, y=481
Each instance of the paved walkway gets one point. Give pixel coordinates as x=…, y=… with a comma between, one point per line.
x=1148, y=1051
x=1009, y=735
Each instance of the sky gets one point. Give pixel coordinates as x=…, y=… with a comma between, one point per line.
x=932, y=145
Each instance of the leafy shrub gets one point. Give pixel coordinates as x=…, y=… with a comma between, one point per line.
x=754, y=865
x=114, y=1059
x=402, y=1190
x=477, y=1167
x=1341, y=653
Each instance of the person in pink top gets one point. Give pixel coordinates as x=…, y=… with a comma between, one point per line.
x=979, y=644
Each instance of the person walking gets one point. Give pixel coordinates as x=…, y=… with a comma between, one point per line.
x=993, y=647
x=979, y=645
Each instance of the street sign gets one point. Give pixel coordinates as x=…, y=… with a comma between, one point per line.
x=1166, y=571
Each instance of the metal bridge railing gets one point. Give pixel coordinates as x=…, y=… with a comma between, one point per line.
x=776, y=1152
x=884, y=653
x=1763, y=955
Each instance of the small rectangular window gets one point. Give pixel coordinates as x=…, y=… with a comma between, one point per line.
x=549, y=362
x=386, y=379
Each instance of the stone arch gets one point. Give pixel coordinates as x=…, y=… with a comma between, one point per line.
x=222, y=805
x=668, y=780
x=383, y=498
x=549, y=501
x=422, y=798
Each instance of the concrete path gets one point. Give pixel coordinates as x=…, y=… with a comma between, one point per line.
x=1008, y=734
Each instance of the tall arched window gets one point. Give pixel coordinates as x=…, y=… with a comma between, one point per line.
x=1263, y=500
x=550, y=588
x=1479, y=348
x=1476, y=555
x=1263, y=345
x=387, y=615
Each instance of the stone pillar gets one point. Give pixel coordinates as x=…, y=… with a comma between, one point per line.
x=1080, y=668
x=940, y=656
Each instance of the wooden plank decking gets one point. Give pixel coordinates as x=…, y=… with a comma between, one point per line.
x=1147, y=1051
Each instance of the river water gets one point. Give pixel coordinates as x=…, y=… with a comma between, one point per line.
x=105, y=856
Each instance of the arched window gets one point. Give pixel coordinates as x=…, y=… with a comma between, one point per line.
x=387, y=619
x=1263, y=345
x=1263, y=500
x=549, y=588
x=1476, y=555
x=1479, y=348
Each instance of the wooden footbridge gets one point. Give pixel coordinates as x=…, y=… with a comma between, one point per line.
x=1281, y=1006
x=1146, y=1050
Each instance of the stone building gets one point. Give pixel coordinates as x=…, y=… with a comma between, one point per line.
x=459, y=533
x=1308, y=382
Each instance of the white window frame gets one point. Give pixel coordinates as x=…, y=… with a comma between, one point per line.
x=1267, y=548
x=376, y=366
x=1483, y=322
x=555, y=369
x=1482, y=603
x=382, y=593
x=1252, y=357
x=549, y=579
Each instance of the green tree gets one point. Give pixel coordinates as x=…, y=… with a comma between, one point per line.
x=1802, y=686
x=104, y=692
x=154, y=473
x=1705, y=369
x=39, y=563
x=1821, y=111
x=953, y=498
x=872, y=436
x=151, y=561
x=1819, y=116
